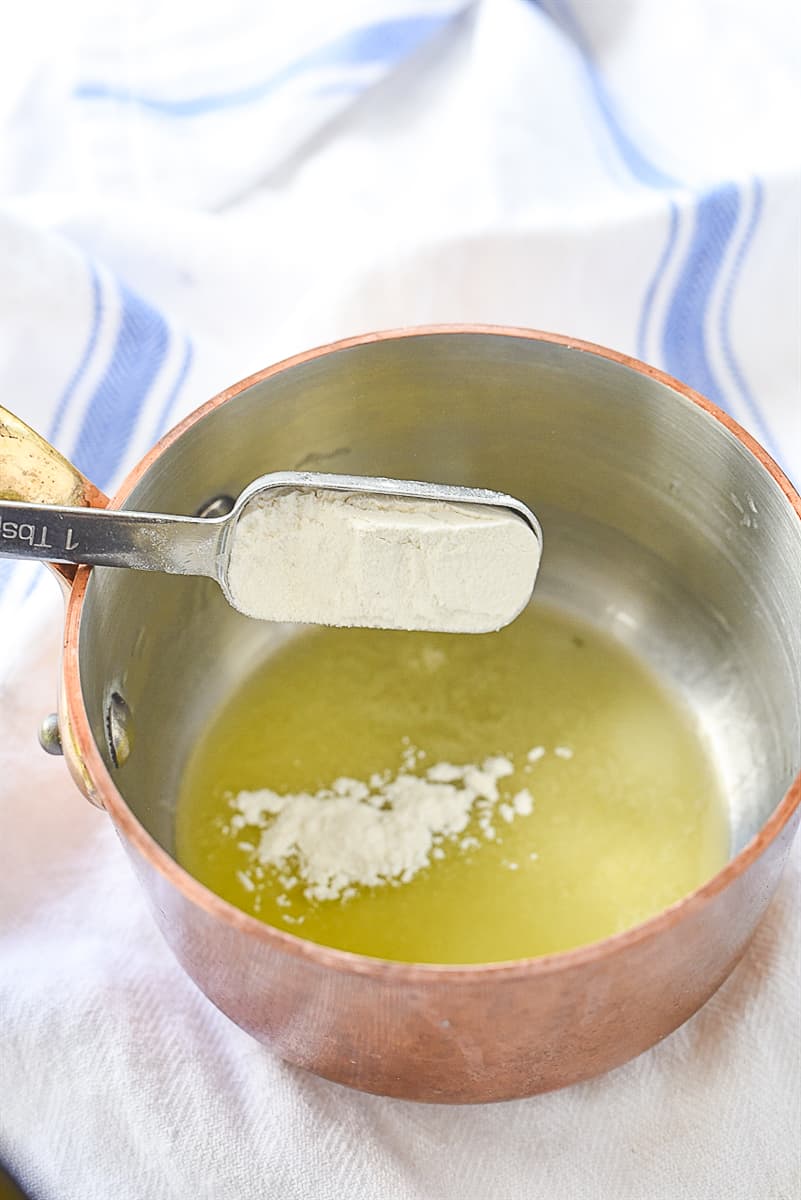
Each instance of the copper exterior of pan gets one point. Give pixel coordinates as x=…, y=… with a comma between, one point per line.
x=477, y=1033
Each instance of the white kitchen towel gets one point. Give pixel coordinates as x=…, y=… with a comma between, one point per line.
x=194, y=190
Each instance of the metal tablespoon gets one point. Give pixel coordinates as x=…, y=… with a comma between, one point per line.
x=390, y=553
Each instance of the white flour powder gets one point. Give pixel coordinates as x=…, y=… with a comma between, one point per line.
x=339, y=558
x=384, y=830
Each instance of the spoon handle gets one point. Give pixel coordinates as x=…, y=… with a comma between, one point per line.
x=111, y=538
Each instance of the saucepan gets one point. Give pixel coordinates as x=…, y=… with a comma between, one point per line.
x=665, y=524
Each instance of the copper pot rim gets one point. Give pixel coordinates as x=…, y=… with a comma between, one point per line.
x=344, y=961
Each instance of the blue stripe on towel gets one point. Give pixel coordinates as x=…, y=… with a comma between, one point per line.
x=684, y=338
x=640, y=167
x=85, y=359
x=661, y=267
x=109, y=422
x=165, y=414
x=382, y=42
x=8, y=567
x=116, y=405
x=749, y=400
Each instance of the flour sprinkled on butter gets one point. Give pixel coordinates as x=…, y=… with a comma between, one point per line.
x=359, y=833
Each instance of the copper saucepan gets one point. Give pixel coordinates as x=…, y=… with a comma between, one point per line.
x=665, y=523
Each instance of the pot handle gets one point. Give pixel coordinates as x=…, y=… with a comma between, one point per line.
x=33, y=472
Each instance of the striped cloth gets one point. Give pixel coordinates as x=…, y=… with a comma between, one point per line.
x=190, y=195
x=191, y=191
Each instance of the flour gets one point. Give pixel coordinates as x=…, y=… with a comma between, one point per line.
x=339, y=558
x=368, y=834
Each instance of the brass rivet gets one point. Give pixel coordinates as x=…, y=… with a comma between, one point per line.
x=218, y=506
x=50, y=735
x=118, y=729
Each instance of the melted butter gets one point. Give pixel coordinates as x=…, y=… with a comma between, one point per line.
x=628, y=815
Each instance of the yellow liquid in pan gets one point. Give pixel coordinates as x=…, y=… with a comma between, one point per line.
x=631, y=821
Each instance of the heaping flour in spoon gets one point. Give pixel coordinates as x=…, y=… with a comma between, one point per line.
x=342, y=558
x=385, y=830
